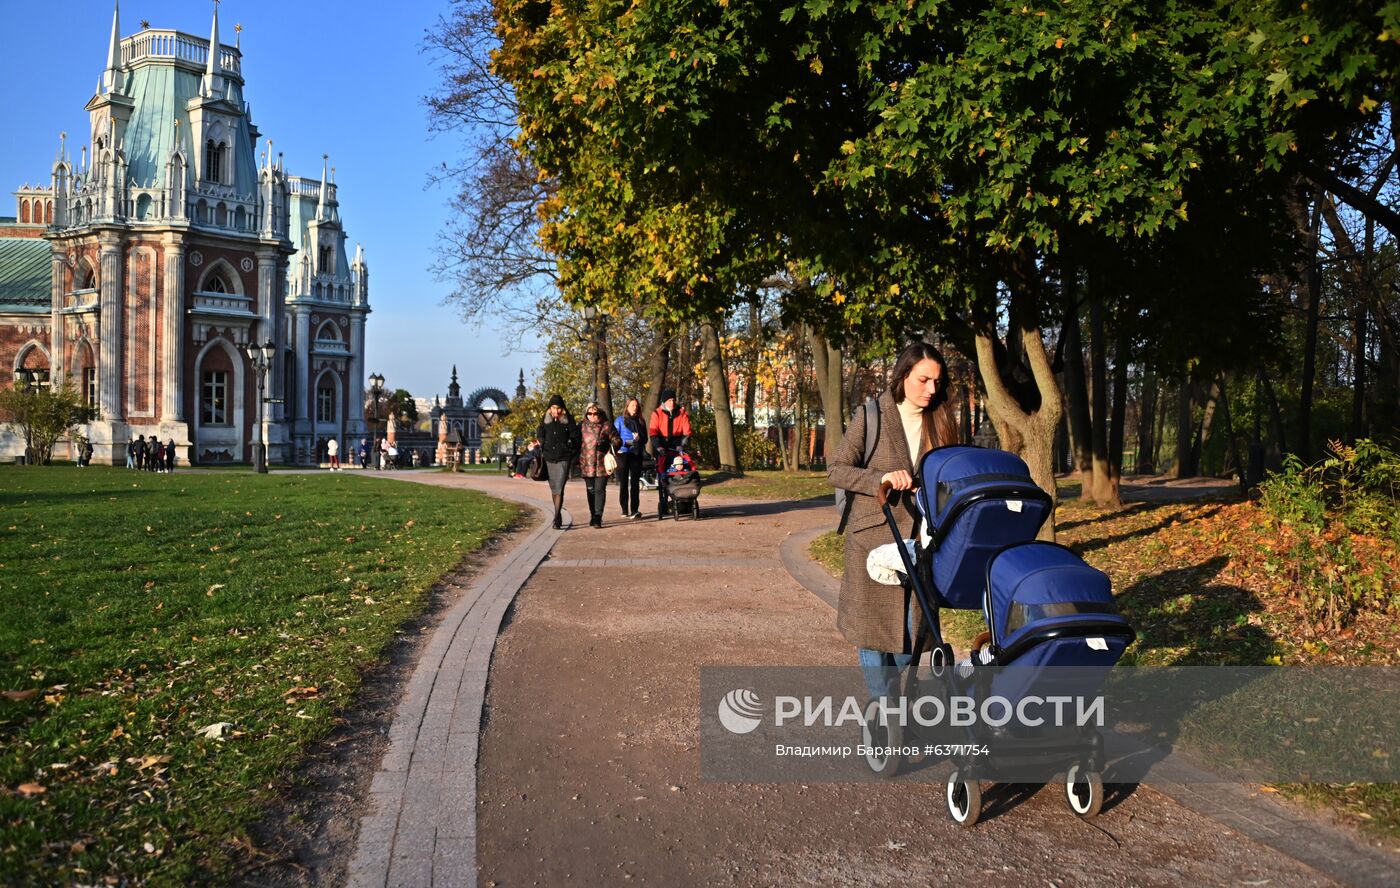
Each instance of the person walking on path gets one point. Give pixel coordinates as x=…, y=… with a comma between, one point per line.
x=596, y=437
x=333, y=454
x=170, y=456
x=669, y=431
x=630, y=454
x=560, y=442
x=139, y=452
x=131, y=454
x=913, y=418
x=364, y=453
x=153, y=454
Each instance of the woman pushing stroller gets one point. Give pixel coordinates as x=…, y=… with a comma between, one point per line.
x=912, y=417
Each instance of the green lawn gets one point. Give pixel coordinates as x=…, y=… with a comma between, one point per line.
x=172, y=642
x=771, y=484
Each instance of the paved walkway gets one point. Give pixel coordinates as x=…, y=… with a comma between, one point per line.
x=421, y=827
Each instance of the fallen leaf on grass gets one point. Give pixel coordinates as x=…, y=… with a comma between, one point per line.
x=215, y=731
x=146, y=761
x=20, y=695
x=31, y=789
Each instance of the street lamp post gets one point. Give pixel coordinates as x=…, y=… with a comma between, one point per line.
x=261, y=358
x=376, y=391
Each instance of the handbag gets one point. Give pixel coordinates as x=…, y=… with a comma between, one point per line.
x=610, y=462
x=538, y=470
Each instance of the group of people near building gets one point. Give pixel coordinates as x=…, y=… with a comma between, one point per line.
x=150, y=455
x=601, y=448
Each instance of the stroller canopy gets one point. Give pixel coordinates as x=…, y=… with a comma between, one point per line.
x=976, y=501
x=1038, y=587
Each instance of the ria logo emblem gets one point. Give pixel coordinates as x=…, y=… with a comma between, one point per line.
x=740, y=711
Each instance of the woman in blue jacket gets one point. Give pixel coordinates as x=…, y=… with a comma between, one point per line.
x=633, y=431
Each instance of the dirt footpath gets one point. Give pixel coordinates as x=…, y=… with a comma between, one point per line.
x=589, y=762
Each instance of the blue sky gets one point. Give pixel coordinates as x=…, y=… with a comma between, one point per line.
x=341, y=77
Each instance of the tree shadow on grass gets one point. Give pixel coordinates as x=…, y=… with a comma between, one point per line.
x=1106, y=516
x=1148, y=530
x=1201, y=621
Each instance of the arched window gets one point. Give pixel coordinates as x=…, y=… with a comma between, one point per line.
x=87, y=278
x=48, y=212
x=215, y=284
x=143, y=207
x=325, y=264
x=24, y=212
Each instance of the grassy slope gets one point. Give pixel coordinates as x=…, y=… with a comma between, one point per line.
x=140, y=609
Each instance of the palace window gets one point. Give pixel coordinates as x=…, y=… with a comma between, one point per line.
x=215, y=284
x=213, y=398
x=90, y=385
x=324, y=266
x=325, y=404
x=214, y=161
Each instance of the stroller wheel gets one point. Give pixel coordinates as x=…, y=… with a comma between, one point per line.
x=882, y=738
x=1084, y=791
x=964, y=799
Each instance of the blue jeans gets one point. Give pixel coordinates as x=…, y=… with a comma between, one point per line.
x=882, y=669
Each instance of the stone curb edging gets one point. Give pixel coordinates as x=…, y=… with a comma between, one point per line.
x=420, y=826
x=1330, y=850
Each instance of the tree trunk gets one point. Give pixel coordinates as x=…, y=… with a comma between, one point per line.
x=1275, y=422
x=659, y=366
x=1314, y=281
x=1076, y=389
x=1185, y=425
x=1118, y=419
x=827, y=359
x=751, y=372
x=798, y=373
x=1102, y=482
x=718, y=382
x=685, y=366
x=1360, y=321
x=1198, y=447
x=1147, y=418
x=1225, y=416
x=1159, y=433
x=604, y=372
x=1031, y=433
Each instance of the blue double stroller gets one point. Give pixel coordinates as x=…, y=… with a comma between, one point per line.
x=1048, y=615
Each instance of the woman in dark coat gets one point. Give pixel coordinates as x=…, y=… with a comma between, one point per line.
x=560, y=440
x=914, y=418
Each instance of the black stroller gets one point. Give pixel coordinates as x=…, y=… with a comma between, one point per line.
x=1047, y=613
x=679, y=482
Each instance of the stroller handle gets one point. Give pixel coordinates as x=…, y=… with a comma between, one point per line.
x=883, y=495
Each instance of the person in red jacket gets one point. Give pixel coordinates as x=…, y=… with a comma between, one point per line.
x=669, y=431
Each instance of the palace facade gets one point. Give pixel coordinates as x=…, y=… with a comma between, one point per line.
x=144, y=268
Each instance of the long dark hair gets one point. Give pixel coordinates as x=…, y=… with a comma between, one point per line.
x=633, y=421
x=939, y=428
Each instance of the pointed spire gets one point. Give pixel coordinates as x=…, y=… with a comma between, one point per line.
x=212, y=86
x=321, y=201
x=112, y=76
x=215, y=65
x=454, y=374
